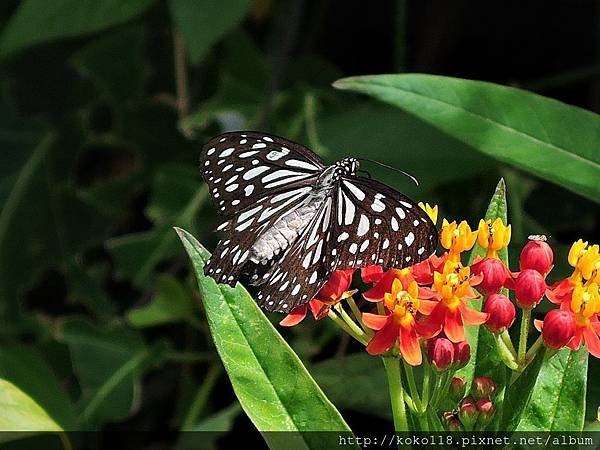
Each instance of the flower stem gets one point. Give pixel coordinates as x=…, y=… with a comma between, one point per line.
x=426, y=386
x=392, y=370
x=358, y=316
x=351, y=323
x=508, y=357
x=525, y=319
x=342, y=324
x=412, y=385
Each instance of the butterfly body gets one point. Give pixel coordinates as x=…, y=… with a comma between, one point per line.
x=291, y=220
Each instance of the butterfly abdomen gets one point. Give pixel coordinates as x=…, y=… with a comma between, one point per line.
x=284, y=232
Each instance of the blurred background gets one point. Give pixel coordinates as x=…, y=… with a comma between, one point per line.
x=104, y=107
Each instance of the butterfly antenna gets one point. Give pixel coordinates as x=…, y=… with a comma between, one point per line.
x=390, y=167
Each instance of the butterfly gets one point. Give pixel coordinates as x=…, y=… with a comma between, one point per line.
x=291, y=220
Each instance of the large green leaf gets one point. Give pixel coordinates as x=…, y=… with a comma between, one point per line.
x=19, y=412
x=558, y=399
x=28, y=369
x=273, y=387
x=108, y=363
x=548, y=138
x=517, y=395
x=38, y=21
x=204, y=22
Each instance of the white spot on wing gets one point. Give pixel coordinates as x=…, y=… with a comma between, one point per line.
x=409, y=239
x=355, y=190
x=227, y=152
x=255, y=171
x=363, y=225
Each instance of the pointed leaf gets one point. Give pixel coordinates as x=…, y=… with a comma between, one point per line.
x=550, y=139
x=273, y=387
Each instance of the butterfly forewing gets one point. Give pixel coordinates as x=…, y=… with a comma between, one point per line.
x=240, y=167
x=376, y=225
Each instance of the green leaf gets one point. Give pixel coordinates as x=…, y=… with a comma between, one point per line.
x=355, y=382
x=171, y=303
x=108, y=363
x=204, y=22
x=19, y=412
x=484, y=355
x=210, y=428
x=529, y=131
x=558, y=399
x=517, y=395
x=28, y=369
x=39, y=21
x=273, y=387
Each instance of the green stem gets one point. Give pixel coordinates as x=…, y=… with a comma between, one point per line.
x=434, y=420
x=357, y=314
x=412, y=385
x=525, y=319
x=508, y=342
x=529, y=356
x=342, y=324
x=426, y=386
x=392, y=370
x=351, y=323
x=508, y=357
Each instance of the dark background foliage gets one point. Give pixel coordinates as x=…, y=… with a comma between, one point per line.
x=102, y=117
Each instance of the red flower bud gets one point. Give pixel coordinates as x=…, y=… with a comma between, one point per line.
x=454, y=424
x=530, y=287
x=462, y=354
x=558, y=328
x=486, y=412
x=457, y=388
x=494, y=274
x=502, y=313
x=483, y=388
x=468, y=413
x=440, y=352
x=537, y=255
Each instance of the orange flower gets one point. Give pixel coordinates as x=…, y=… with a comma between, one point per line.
x=493, y=236
x=457, y=238
x=452, y=288
x=402, y=304
x=332, y=292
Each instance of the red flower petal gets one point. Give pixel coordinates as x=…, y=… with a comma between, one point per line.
x=371, y=274
x=338, y=283
x=576, y=341
x=374, y=321
x=296, y=316
x=453, y=325
x=377, y=292
x=471, y=316
x=383, y=339
x=426, y=329
x=318, y=308
x=596, y=327
x=538, y=324
x=426, y=306
x=592, y=342
x=409, y=346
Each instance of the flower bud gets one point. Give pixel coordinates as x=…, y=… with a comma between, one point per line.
x=537, y=255
x=454, y=424
x=530, y=287
x=462, y=354
x=502, y=313
x=483, y=388
x=458, y=388
x=440, y=352
x=468, y=413
x=486, y=412
x=558, y=329
x=494, y=274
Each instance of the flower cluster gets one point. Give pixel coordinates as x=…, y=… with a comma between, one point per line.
x=475, y=411
x=576, y=320
x=426, y=307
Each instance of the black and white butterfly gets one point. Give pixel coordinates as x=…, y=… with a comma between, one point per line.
x=291, y=220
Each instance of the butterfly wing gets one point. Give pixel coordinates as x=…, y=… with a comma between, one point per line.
x=301, y=271
x=240, y=167
x=376, y=225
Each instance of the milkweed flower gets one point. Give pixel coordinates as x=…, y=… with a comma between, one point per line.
x=529, y=288
x=493, y=236
x=402, y=304
x=537, y=255
x=440, y=353
x=457, y=238
x=501, y=312
x=371, y=274
x=453, y=287
x=495, y=274
x=332, y=292
x=558, y=328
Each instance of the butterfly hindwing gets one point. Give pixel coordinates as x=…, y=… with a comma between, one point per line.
x=376, y=225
